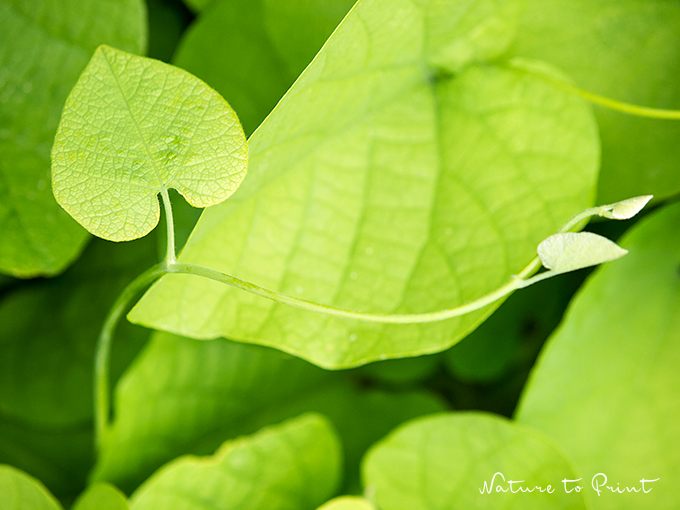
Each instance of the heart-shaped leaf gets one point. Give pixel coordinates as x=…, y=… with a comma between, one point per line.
x=133, y=127
x=101, y=496
x=18, y=491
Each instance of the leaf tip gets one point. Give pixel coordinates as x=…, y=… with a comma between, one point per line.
x=626, y=209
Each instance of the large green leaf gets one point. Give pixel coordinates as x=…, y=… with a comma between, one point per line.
x=607, y=385
x=263, y=46
x=133, y=127
x=445, y=461
x=293, y=466
x=18, y=491
x=44, y=46
x=395, y=176
x=627, y=50
x=101, y=496
x=183, y=396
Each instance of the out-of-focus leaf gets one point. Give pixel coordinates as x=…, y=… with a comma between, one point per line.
x=402, y=371
x=607, y=385
x=18, y=491
x=133, y=127
x=626, y=50
x=293, y=466
x=392, y=178
x=183, y=396
x=251, y=51
x=347, y=503
x=443, y=462
x=60, y=458
x=167, y=22
x=102, y=496
x=44, y=46
x=48, y=333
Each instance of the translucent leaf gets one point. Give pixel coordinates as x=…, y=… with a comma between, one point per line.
x=444, y=461
x=392, y=178
x=264, y=46
x=626, y=209
x=19, y=491
x=293, y=466
x=101, y=496
x=347, y=503
x=606, y=48
x=161, y=412
x=44, y=46
x=134, y=127
x=607, y=385
x=562, y=253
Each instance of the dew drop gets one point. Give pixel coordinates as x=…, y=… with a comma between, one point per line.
x=353, y=275
x=299, y=289
x=448, y=231
x=369, y=251
x=353, y=337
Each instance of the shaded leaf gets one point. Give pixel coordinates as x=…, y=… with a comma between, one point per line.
x=44, y=46
x=606, y=387
x=22, y=492
x=443, y=461
x=102, y=496
x=264, y=46
x=293, y=466
x=183, y=396
x=365, y=191
x=626, y=50
x=133, y=127
x=562, y=253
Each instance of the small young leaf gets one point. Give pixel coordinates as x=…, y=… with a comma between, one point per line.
x=18, y=491
x=626, y=209
x=562, y=253
x=347, y=503
x=292, y=466
x=134, y=127
x=102, y=496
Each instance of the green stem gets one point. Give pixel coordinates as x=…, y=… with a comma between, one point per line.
x=606, y=102
x=170, y=257
x=103, y=350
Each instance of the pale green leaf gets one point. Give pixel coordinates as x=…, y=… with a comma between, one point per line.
x=18, y=491
x=442, y=462
x=101, y=496
x=44, y=46
x=626, y=209
x=383, y=183
x=264, y=46
x=133, y=127
x=183, y=396
x=347, y=503
x=562, y=253
x=626, y=50
x=293, y=466
x=606, y=387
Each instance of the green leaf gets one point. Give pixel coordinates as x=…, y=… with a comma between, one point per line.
x=44, y=46
x=626, y=209
x=133, y=127
x=347, y=503
x=606, y=387
x=48, y=333
x=562, y=253
x=183, y=396
x=293, y=466
x=626, y=50
x=102, y=496
x=264, y=46
x=444, y=461
x=59, y=457
x=387, y=181
x=22, y=492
